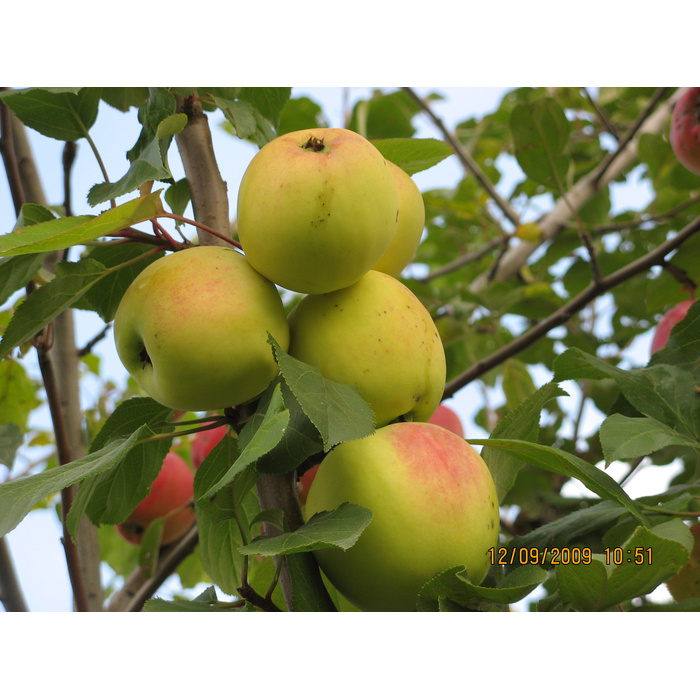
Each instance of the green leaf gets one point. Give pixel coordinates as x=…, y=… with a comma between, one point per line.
x=18, y=393
x=17, y=272
x=65, y=114
x=11, y=437
x=17, y=498
x=664, y=392
x=300, y=441
x=540, y=132
x=518, y=385
x=339, y=528
x=522, y=423
x=148, y=157
x=300, y=113
x=569, y=465
x=338, y=411
x=148, y=166
x=569, y=527
x=264, y=438
x=414, y=155
x=245, y=121
x=58, y=234
x=122, y=265
x=124, y=98
x=597, y=586
x=269, y=101
x=624, y=438
x=178, y=196
x=583, y=585
x=219, y=521
x=72, y=280
x=454, y=585
x=110, y=497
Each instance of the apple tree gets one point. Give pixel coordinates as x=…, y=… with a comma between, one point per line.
x=542, y=285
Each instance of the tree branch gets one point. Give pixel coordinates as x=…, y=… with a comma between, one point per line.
x=556, y=219
x=207, y=188
x=65, y=389
x=140, y=587
x=469, y=164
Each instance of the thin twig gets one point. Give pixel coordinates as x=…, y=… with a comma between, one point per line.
x=466, y=159
x=140, y=587
x=69, y=152
x=607, y=124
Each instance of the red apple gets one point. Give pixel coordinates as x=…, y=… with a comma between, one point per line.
x=686, y=583
x=304, y=484
x=447, y=418
x=667, y=322
x=204, y=443
x=171, y=495
x=685, y=130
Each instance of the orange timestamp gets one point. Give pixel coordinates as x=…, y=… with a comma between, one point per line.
x=551, y=556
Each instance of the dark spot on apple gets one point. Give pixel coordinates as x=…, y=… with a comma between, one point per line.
x=143, y=356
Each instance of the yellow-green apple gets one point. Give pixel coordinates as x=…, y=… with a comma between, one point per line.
x=316, y=209
x=685, y=129
x=434, y=507
x=667, y=322
x=409, y=226
x=192, y=329
x=447, y=418
x=205, y=442
x=377, y=336
x=170, y=495
x=686, y=583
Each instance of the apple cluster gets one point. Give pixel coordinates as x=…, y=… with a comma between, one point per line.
x=322, y=213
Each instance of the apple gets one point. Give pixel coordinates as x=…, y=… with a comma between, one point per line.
x=204, y=443
x=317, y=208
x=685, y=129
x=447, y=418
x=686, y=583
x=377, y=336
x=304, y=484
x=409, y=226
x=170, y=495
x=192, y=329
x=667, y=322
x=434, y=507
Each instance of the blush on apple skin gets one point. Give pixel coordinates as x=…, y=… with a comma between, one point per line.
x=434, y=506
x=667, y=322
x=304, y=484
x=204, y=443
x=171, y=492
x=685, y=130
